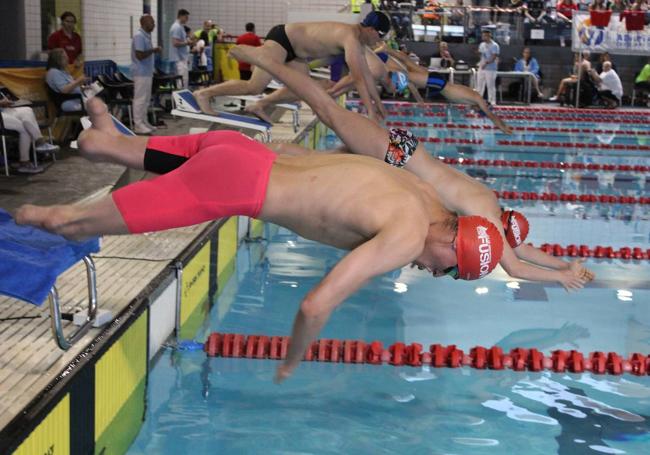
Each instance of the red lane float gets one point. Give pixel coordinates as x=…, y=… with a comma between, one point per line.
x=438, y=356
x=599, y=252
x=570, y=197
x=545, y=165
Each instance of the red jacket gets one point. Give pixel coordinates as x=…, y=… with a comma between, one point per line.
x=566, y=9
x=250, y=39
x=71, y=45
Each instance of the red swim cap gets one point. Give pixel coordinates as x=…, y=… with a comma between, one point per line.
x=515, y=226
x=478, y=247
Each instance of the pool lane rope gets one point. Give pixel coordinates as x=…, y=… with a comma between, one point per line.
x=571, y=197
x=528, y=144
x=599, y=252
x=623, y=168
x=536, y=129
x=438, y=356
x=582, y=112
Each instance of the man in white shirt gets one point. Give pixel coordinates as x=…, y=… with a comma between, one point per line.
x=487, y=67
x=610, y=88
x=142, y=66
x=179, y=49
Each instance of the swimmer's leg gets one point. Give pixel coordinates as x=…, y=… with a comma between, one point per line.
x=360, y=134
x=103, y=143
x=76, y=221
x=283, y=95
x=159, y=154
x=254, y=86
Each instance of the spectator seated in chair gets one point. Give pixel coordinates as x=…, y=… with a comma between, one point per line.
x=610, y=89
x=60, y=81
x=23, y=121
x=528, y=63
x=588, y=92
x=567, y=82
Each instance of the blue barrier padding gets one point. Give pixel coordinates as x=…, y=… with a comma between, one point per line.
x=94, y=68
x=32, y=259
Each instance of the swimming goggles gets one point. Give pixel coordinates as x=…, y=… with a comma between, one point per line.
x=452, y=271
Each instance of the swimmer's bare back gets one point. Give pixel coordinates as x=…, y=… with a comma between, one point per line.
x=343, y=200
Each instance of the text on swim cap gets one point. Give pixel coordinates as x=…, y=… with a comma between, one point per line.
x=484, y=249
x=514, y=226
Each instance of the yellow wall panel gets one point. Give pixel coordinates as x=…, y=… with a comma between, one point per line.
x=227, y=251
x=119, y=372
x=196, y=282
x=52, y=435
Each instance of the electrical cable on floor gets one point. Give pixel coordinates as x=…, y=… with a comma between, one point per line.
x=18, y=318
x=126, y=258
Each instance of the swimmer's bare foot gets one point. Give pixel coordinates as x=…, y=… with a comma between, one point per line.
x=249, y=54
x=52, y=218
x=100, y=117
x=203, y=100
x=258, y=111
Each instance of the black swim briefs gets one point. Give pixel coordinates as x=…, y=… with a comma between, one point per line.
x=437, y=81
x=279, y=35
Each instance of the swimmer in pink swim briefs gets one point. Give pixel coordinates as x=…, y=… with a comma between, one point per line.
x=387, y=218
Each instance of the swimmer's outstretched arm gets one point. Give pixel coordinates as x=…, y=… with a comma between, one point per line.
x=416, y=93
x=356, y=61
x=536, y=256
x=571, y=277
x=523, y=262
x=344, y=85
x=393, y=247
x=464, y=95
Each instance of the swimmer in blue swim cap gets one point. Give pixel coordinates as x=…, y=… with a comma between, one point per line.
x=400, y=81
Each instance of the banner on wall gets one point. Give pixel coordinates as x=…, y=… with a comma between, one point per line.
x=604, y=31
x=26, y=83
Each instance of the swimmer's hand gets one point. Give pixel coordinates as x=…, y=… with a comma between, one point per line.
x=282, y=373
x=505, y=128
x=580, y=270
x=572, y=279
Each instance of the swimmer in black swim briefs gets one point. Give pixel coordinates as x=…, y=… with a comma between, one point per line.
x=279, y=35
x=293, y=44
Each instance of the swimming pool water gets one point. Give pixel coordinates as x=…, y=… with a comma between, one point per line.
x=212, y=405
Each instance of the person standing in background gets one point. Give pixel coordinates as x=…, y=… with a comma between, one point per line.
x=142, y=66
x=179, y=45
x=487, y=67
x=250, y=39
x=67, y=39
